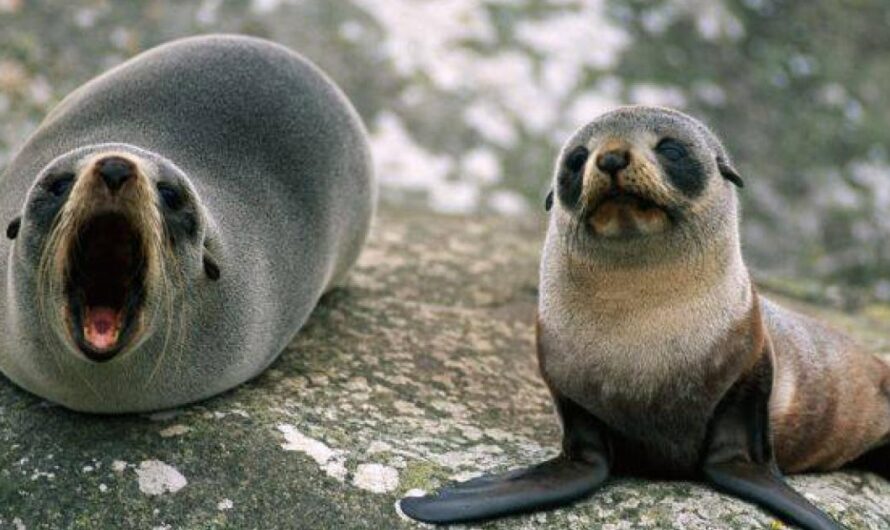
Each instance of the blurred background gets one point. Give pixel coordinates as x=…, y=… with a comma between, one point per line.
x=467, y=101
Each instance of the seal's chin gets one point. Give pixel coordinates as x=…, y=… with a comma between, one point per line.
x=105, y=285
x=621, y=214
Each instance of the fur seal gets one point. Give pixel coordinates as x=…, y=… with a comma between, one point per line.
x=174, y=221
x=661, y=357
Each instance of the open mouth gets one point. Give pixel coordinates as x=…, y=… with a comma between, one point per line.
x=105, y=285
x=625, y=198
x=622, y=213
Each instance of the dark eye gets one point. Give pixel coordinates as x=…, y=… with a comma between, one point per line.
x=170, y=195
x=61, y=184
x=670, y=149
x=576, y=158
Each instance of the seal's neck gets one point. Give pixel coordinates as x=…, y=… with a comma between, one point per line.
x=714, y=274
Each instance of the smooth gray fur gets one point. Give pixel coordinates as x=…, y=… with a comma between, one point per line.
x=280, y=164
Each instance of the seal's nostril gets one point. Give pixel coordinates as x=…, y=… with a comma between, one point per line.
x=612, y=162
x=115, y=170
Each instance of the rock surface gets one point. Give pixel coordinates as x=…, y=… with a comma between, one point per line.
x=419, y=371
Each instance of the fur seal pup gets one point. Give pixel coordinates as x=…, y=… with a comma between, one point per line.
x=662, y=359
x=174, y=221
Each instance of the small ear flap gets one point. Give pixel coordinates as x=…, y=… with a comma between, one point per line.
x=729, y=172
x=211, y=269
x=548, y=202
x=12, y=231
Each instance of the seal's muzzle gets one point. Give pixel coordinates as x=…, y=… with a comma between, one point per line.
x=623, y=194
x=107, y=239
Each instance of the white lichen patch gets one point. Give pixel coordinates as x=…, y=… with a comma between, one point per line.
x=294, y=440
x=330, y=460
x=465, y=476
x=376, y=478
x=335, y=469
x=225, y=505
x=470, y=432
x=458, y=410
x=174, y=430
x=118, y=466
x=42, y=474
x=378, y=447
x=475, y=457
x=406, y=408
x=500, y=435
x=157, y=478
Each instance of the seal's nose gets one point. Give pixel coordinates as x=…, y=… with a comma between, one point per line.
x=612, y=162
x=115, y=171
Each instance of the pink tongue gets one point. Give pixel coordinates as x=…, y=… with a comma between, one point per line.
x=101, y=327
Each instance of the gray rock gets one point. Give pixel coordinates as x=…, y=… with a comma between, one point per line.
x=421, y=370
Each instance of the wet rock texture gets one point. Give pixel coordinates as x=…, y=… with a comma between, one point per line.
x=420, y=370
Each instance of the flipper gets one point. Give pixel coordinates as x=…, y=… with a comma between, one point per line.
x=553, y=483
x=581, y=468
x=739, y=457
x=759, y=484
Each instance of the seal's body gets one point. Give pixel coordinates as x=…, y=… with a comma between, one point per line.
x=830, y=401
x=662, y=358
x=176, y=220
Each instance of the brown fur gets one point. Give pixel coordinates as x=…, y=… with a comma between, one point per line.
x=649, y=333
x=675, y=413
x=835, y=409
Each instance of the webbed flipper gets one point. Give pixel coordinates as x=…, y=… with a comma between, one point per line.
x=552, y=483
x=581, y=468
x=739, y=458
x=765, y=487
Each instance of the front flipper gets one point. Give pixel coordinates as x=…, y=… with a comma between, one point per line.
x=581, y=468
x=761, y=485
x=740, y=459
x=553, y=483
